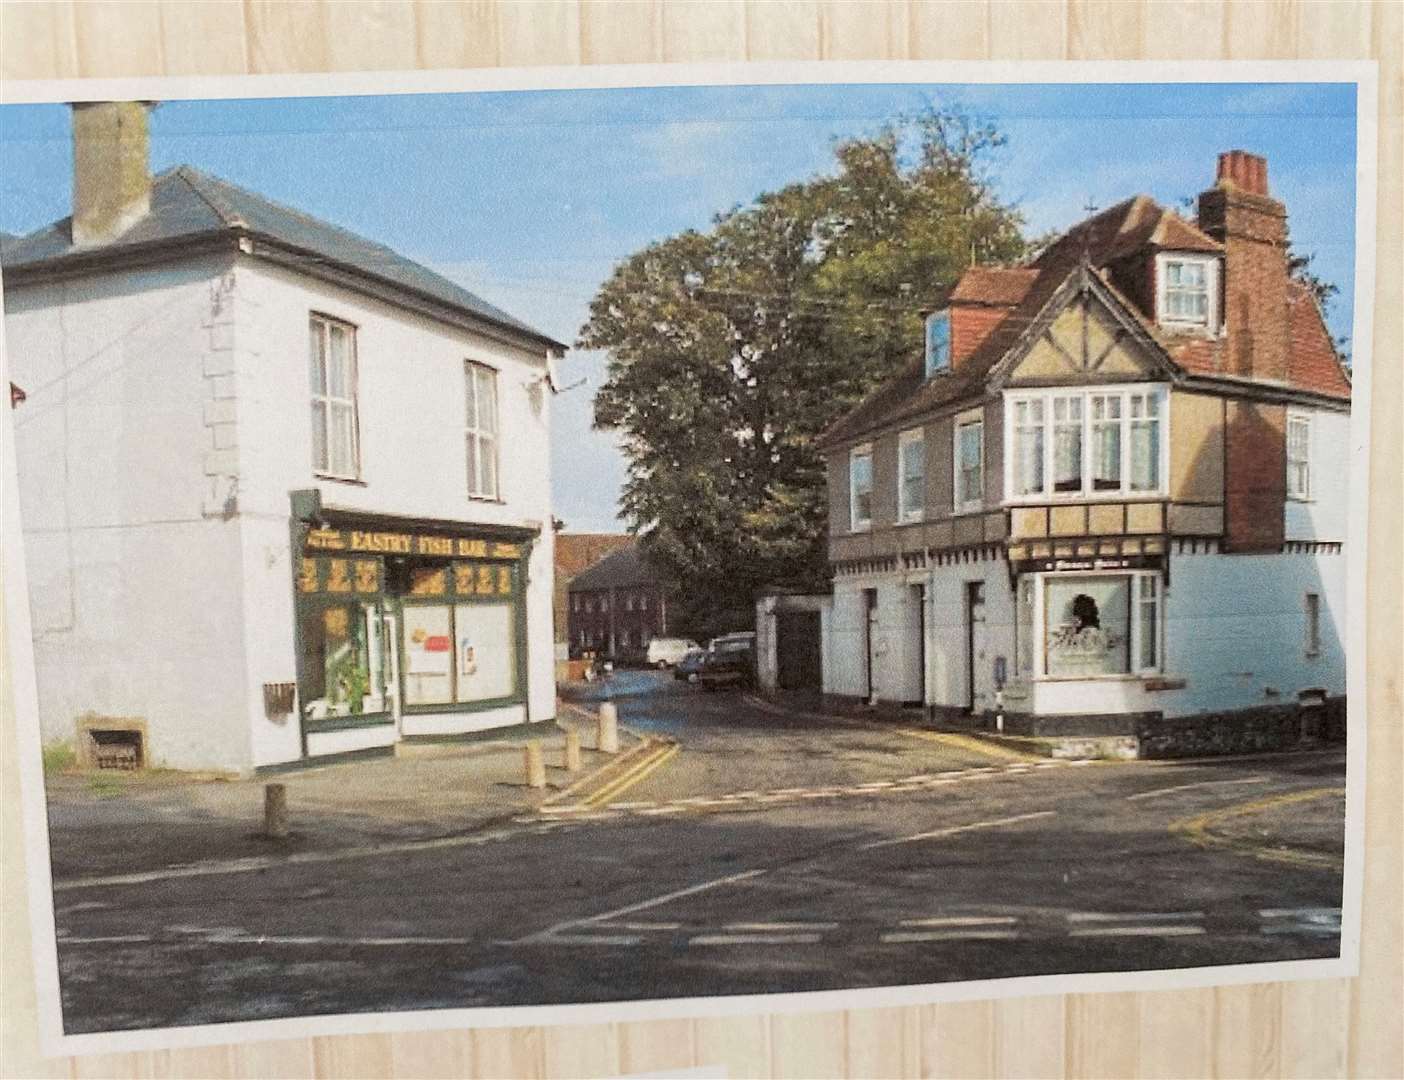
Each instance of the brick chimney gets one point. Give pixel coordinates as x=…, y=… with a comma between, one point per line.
x=1252, y=225
x=111, y=169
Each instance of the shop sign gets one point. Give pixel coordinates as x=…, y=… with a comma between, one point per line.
x=426, y=653
x=1099, y=562
x=344, y=577
x=408, y=543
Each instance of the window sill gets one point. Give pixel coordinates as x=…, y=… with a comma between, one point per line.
x=1072, y=498
x=968, y=508
x=860, y=527
x=354, y=481
x=913, y=519
x=495, y=500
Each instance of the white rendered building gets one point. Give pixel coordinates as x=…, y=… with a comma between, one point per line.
x=284, y=492
x=1113, y=488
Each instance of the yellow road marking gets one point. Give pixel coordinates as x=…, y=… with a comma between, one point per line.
x=634, y=776
x=1197, y=830
x=969, y=742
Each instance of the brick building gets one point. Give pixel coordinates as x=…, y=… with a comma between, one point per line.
x=1113, y=483
x=576, y=552
x=617, y=607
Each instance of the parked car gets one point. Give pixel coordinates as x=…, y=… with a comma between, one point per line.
x=731, y=661
x=665, y=652
x=689, y=666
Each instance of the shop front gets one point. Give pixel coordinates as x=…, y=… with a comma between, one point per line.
x=408, y=630
x=1089, y=634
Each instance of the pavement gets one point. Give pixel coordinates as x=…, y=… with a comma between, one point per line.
x=120, y=823
x=822, y=858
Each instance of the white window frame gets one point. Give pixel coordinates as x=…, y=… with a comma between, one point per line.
x=477, y=435
x=1087, y=492
x=962, y=501
x=328, y=402
x=1135, y=669
x=1301, y=419
x=905, y=512
x=1212, y=306
x=855, y=523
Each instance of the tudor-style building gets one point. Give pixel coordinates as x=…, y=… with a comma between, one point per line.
x=1115, y=483
x=285, y=493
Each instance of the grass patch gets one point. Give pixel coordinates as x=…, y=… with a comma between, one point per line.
x=59, y=757
x=105, y=785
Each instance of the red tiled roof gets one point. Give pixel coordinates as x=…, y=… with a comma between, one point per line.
x=1001, y=286
x=1129, y=227
x=1312, y=362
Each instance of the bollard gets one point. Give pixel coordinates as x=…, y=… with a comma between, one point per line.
x=572, y=750
x=535, y=765
x=275, y=811
x=607, y=729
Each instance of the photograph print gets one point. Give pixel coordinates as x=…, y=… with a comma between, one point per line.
x=585, y=546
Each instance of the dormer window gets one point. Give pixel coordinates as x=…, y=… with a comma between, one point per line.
x=1187, y=289
x=938, y=343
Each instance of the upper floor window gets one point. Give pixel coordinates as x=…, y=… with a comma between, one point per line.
x=480, y=433
x=938, y=342
x=336, y=447
x=1298, y=456
x=1105, y=442
x=969, y=457
x=860, y=487
x=629, y=602
x=912, y=461
x=1187, y=290
x=643, y=603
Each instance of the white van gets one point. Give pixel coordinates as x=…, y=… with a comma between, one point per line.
x=664, y=652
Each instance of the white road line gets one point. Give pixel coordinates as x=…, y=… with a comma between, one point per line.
x=579, y=939
x=632, y=805
x=763, y=927
x=900, y=936
x=1189, y=787
x=1302, y=912
x=643, y=926
x=962, y=920
x=1315, y=929
x=754, y=939
x=937, y=834
x=1133, y=916
x=642, y=905
x=115, y=939
x=1137, y=931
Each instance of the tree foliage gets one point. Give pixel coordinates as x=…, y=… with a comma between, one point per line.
x=730, y=350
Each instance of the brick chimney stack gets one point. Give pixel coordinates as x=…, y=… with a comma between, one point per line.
x=111, y=169
x=1252, y=225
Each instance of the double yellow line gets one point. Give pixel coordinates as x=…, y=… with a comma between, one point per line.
x=636, y=773
x=969, y=742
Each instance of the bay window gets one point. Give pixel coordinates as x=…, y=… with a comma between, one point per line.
x=1106, y=442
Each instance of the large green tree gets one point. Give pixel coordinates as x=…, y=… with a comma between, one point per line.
x=730, y=350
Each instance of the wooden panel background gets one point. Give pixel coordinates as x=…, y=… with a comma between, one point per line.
x=1306, y=1029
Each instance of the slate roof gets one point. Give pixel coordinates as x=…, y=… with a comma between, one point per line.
x=1136, y=225
x=620, y=569
x=187, y=204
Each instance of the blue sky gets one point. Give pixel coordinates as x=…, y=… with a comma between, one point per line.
x=529, y=198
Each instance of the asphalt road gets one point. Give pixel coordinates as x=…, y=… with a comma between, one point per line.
x=972, y=872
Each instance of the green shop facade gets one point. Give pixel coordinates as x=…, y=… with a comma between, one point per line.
x=415, y=627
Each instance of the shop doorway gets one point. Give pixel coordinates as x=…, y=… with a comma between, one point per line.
x=798, y=650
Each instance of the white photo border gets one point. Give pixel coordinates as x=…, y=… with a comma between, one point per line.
x=20, y=661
